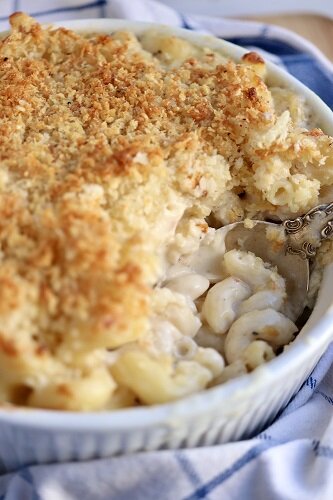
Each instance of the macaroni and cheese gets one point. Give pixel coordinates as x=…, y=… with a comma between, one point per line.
x=120, y=159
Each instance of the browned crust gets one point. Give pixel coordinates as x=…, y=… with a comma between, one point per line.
x=253, y=58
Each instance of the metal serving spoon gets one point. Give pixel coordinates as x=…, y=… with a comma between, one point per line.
x=302, y=237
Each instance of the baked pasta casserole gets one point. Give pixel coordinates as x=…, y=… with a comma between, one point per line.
x=121, y=159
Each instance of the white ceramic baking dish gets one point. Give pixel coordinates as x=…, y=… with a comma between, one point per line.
x=235, y=410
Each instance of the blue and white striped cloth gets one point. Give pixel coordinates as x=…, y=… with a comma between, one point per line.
x=293, y=458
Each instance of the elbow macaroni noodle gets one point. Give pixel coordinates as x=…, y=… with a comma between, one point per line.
x=120, y=159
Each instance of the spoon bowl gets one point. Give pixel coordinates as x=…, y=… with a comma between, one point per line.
x=288, y=247
x=292, y=268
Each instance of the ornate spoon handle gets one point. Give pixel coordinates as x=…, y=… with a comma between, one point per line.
x=306, y=233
